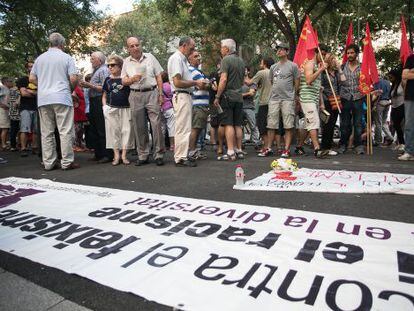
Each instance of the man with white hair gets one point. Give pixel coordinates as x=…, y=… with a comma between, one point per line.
x=96, y=117
x=229, y=97
x=55, y=74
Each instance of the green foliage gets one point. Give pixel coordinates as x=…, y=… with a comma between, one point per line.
x=25, y=26
x=145, y=22
x=387, y=58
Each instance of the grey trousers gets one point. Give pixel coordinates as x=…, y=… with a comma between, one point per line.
x=380, y=122
x=143, y=104
x=60, y=116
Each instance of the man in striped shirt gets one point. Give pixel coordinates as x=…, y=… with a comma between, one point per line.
x=200, y=106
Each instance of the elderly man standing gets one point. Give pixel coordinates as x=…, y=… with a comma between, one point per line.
x=229, y=97
x=55, y=74
x=96, y=117
x=183, y=85
x=142, y=73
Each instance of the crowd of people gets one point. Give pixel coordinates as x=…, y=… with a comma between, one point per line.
x=135, y=104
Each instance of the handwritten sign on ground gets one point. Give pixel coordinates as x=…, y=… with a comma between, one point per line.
x=209, y=255
x=315, y=180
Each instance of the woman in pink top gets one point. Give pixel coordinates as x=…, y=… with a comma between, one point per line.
x=168, y=121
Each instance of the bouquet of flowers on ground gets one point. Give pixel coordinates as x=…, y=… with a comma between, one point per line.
x=284, y=165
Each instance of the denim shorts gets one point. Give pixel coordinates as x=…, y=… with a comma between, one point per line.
x=28, y=121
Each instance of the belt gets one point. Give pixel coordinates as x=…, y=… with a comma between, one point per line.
x=144, y=90
x=185, y=92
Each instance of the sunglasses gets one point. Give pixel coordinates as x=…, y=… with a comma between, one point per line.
x=112, y=65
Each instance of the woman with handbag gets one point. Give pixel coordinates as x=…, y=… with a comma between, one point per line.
x=330, y=105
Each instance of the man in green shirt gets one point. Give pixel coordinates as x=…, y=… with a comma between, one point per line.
x=229, y=97
x=264, y=88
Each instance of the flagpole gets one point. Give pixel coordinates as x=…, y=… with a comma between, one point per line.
x=369, y=126
x=329, y=80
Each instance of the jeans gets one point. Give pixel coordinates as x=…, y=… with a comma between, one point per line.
x=351, y=116
x=380, y=121
x=250, y=116
x=409, y=126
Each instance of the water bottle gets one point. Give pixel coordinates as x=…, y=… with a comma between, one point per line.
x=239, y=175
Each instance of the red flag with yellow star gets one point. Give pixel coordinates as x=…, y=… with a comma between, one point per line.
x=308, y=41
x=369, y=71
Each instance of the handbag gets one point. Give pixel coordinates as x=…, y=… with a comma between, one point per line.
x=324, y=116
x=332, y=102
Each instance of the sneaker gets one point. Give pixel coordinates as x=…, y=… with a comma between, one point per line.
x=300, y=151
x=321, y=153
x=159, y=161
x=266, y=153
x=3, y=161
x=285, y=154
x=332, y=152
x=342, y=149
x=400, y=149
x=360, y=150
x=406, y=157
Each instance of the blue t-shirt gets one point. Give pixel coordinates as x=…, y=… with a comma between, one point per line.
x=116, y=93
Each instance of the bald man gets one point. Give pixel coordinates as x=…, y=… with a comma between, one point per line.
x=142, y=73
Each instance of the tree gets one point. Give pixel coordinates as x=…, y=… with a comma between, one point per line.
x=25, y=26
x=145, y=22
x=208, y=23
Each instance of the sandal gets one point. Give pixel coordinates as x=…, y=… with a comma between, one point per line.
x=126, y=161
x=230, y=157
x=240, y=155
x=115, y=162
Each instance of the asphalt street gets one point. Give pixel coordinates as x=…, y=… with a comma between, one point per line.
x=211, y=180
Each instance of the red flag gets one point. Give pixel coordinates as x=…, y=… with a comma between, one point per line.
x=369, y=72
x=349, y=40
x=308, y=42
x=405, y=49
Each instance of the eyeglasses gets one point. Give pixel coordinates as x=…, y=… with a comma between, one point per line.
x=112, y=65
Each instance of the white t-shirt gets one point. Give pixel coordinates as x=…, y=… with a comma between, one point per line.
x=53, y=69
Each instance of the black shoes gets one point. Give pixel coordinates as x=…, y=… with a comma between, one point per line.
x=159, y=161
x=104, y=160
x=185, y=163
x=55, y=166
x=142, y=162
x=71, y=166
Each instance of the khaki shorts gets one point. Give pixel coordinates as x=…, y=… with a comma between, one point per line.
x=311, y=111
x=4, y=119
x=284, y=107
x=200, y=115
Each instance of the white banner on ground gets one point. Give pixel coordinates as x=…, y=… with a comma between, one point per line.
x=317, y=180
x=209, y=255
